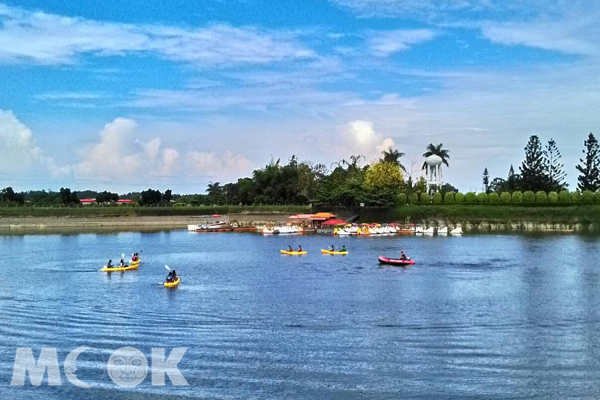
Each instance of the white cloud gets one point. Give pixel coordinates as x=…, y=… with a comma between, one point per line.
x=385, y=43
x=18, y=150
x=170, y=160
x=580, y=35
x=224, y=167
x=53, y=39
x=359, y=137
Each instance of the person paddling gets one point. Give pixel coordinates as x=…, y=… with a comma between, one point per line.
x=343, y=249
x=174, y=276
x=169, y=276
x=300, y=249
x=109, y=265
x=331, y=248
x=122, y=263
x=290, y=249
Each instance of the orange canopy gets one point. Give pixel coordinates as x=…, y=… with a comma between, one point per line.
x=322, y=216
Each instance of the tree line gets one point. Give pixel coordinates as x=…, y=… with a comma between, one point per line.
x=543, y=171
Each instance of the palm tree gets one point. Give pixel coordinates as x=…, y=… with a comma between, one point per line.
x=393, y=156
x=438, y=151
x=215, y=191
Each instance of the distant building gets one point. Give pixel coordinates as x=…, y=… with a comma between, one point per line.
x=124, y=201
x=87, y=202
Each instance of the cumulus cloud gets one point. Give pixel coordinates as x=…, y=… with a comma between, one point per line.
x=53, y=39
x=359, y=137
x=226, y=166
x=383, y=44
x=18, y=150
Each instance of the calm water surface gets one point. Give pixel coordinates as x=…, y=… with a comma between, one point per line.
x=478, y=317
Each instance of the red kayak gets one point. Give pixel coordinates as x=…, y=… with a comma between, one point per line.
x=395, y=261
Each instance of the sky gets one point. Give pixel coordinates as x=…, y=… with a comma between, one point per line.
x=125, y=95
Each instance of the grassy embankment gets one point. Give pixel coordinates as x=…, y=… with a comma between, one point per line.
x=494, y=214
x=126, y=211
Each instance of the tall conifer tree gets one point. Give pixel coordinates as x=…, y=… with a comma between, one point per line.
x=589, y=168
x=533, y=169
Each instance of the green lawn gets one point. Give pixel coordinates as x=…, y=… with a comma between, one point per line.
x=118, y=211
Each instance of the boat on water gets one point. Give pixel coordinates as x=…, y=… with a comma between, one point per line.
x=442, y=231
x=457, y=231
x=332, y=252
x=429, y=231
x=293, y=253
x=395, y=261
x=173, y=284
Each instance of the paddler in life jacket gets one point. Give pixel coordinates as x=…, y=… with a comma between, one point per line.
x=174, y=276
x=122, y=263
x=169, y=276
x=331, y=248
x=290, y=249
x=343, y=248
x=109, y=265
x=300, y=249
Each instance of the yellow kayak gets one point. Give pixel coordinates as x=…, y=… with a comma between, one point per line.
x=293, y=253
x=172, y=284
x=120, y=269
x=338, y=253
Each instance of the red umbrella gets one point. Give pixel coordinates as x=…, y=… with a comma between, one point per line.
x=334, y=222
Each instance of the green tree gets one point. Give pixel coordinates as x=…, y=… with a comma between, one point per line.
x=576, y=197
x=150, y=197
x=216, y=193
x=597, y=196
x=424, y=198
x=437, y=198
x=438, y=151
x=393, y=156
x=589, y=168
x=534, y=176
x=384, y=174
x=413, y=198
x=67, y=197
x=541, y=197
x=486, y=180
x=554, y=168
x=493, y=197
x=449, y=198
x=167, y=196
x=528, y=196
x=517, y=197
x=587, y=197
x=459, y=198
x=552, y=197
x=470, y=197
x=482, y=197
x=505, y=197
x=402, y=199
x=564, y=196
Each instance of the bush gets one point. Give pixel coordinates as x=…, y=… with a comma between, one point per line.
x=470, y=197
x=587, y=197
x=425, y=198
x=449, y=198
x=576, y=197
x=597, y=196
x=517, y=197
x=541, y=197
x=553, y=197
x=505, y=197
x=564, y=196
x=402, y=199
x=437, y=198
x=493, y=197
x=482, y=197
x=413, y=198
x=528, y=197
x=459, y=198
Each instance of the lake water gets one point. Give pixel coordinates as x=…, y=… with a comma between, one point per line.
x=487, y=316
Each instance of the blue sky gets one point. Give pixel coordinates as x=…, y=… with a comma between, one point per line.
x=172, y=94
